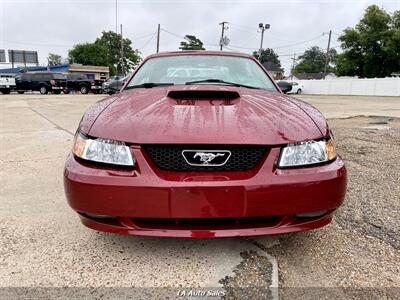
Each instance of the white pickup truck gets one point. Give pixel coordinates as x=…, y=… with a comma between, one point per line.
x=7, y=83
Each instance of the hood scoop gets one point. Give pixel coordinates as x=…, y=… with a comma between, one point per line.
x=215, y=97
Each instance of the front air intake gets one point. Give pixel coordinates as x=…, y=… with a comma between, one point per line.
x=203, y=95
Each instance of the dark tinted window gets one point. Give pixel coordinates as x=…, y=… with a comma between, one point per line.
x=57, y=76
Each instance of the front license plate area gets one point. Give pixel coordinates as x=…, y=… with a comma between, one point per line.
x=207, y=202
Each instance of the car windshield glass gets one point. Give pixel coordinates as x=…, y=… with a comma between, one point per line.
x=180, y=69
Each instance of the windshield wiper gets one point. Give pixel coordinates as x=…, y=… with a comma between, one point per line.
x=221, y=81
x=148, y=85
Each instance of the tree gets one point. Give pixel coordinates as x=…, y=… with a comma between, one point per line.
x=111, y=41
x=88, y=54
x=372, y=47
x=191, y=43
x=54, y=59
x=268, y=55
x=313, y=61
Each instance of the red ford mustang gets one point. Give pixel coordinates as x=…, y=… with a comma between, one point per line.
x=203, y=144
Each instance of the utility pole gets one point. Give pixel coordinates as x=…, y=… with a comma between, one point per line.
x=327, y=52
x=122, y=54
x=158, y=38
x=116, y=16
x=262, y=27
x=294, y=61
x=221, y=41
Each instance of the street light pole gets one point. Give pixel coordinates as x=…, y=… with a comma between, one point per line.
x=262, y=27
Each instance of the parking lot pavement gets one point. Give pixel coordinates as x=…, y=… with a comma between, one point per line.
x=43, y=244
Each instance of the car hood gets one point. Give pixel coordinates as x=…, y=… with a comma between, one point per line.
x=171, y=115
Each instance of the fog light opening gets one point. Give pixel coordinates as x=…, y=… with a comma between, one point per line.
x=94, y=216
x=313, y=214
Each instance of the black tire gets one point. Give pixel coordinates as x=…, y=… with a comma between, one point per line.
x=5, y=91
x=20, y=92
x=84, y=90
x=43, y=90
x=299, y=91
x=66, y=91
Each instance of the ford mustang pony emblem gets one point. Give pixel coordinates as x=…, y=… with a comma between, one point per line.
x=206, y=158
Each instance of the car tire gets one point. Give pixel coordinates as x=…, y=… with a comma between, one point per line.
x=299, y=91
x=84, y=90
x=5, y=91
x=43, y=90
x=66, y=91
x=20, y=92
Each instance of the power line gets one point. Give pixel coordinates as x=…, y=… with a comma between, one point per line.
x=147, y=42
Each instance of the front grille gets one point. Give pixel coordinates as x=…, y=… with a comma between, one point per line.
x=206, y=223
x=170, y=158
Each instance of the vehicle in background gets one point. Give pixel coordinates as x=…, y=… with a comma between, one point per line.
x=285, y=86
x=81, y=83
x=114, y=84
x=7, y=83
x=297, y=88
x=44, y=82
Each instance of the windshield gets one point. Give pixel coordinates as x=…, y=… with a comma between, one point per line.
x=181, y=69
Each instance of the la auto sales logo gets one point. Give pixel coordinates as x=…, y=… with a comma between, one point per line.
x=200, y=293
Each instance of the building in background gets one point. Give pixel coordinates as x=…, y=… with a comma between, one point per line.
x=274, y=70
x=310, y=76
x=18, y=58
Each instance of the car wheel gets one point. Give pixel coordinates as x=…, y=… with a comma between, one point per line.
x=20, y=92
x=5, y=91
x=298, y=91
x=43, y=90
x=66, y=91
x=84, y=90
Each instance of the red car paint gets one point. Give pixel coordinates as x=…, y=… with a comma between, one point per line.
x=153, y=202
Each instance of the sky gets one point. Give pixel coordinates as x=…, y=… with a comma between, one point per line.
x=295, y=25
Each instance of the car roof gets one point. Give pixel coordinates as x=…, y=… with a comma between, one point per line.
x=201, y=52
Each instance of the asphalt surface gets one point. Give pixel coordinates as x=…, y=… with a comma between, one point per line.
x=44, y=247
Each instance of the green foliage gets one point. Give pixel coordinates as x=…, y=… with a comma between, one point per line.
x=268, y=55
x=191, y=43
x=372, y=47
x=313, y=61
x=106, y=51
x=54, y=59
x=88, y=54
x=112, y=42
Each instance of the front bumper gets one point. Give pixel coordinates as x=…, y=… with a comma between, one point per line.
x=150, y=194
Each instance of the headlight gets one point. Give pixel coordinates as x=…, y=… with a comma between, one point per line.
x=104, y=151
x=307, y=153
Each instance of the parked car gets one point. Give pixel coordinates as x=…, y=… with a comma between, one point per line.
x=81, y=83
x=297, y=88
x=43, y=82
x=7, y=83
x=223, y=155
x=114, y=84
x=286, y=87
